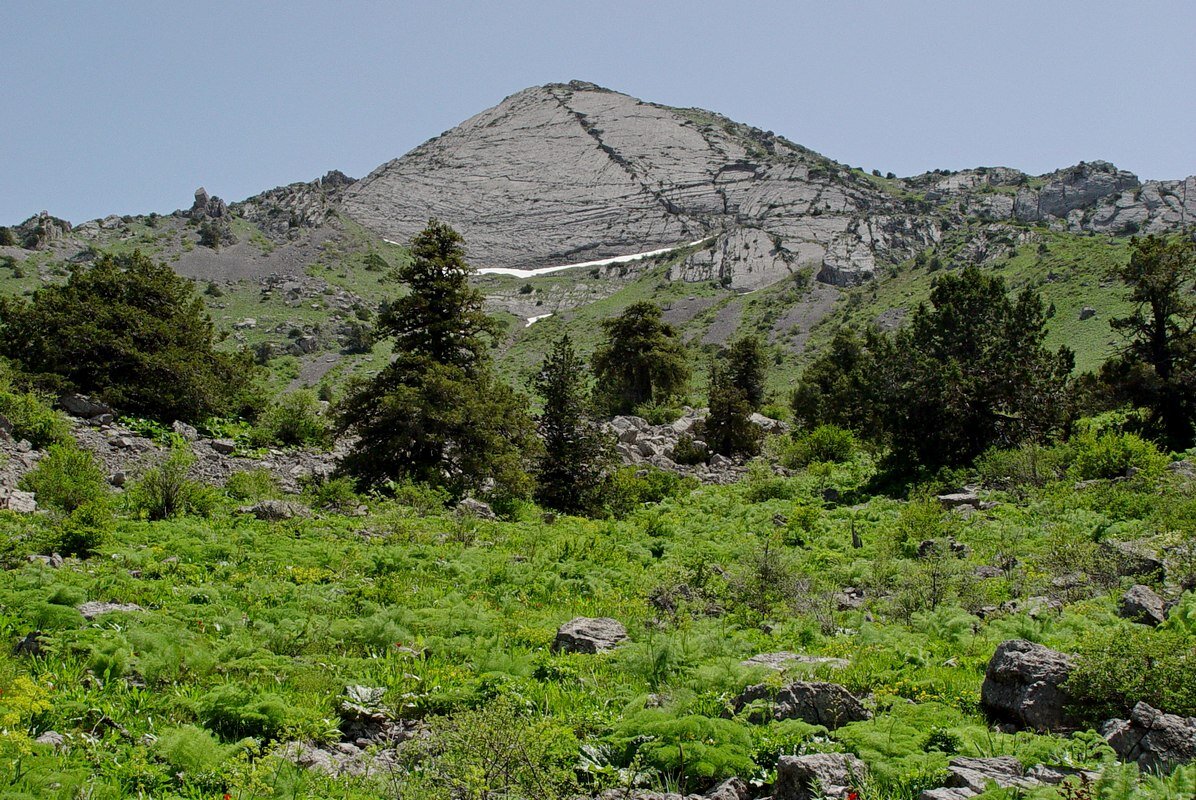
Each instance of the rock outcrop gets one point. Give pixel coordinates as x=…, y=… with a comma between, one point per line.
x=1141, y=604
x=1023, y=686
x=826, y=704
x=589, y=635
x=818, y=776
x=968, y=777
x=1151, y=739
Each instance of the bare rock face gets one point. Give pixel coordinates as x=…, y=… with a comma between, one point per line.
x=817, y=776
x=96, y=608
x=589, y=635
x=571, y=173
x=968, y=777
x=1141, y=604
x=1023, y=686
x=17, y=501
x=826, y=704
x=1151, y=739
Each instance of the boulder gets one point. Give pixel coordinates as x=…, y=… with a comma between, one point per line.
x=188, y=432
x=784, y=659
x=276, y=510
x=53, y=561
x=1131, y=560
x=52, y=738
x=17, y=501
x=978, y=774
x=1087, y=312
x=589, y=635
x=1023, y=685
x=225, y=447
x=817, y=776
x=96, y=608
x=768, y=424
x=1141, y=604
x=475, y=508
x=826, y=704
x=78, y=405
x=731, y=789
x=967, y=497
x=1152, y=739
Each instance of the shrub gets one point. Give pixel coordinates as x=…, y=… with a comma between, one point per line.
x=32, y=418
x=423, y=497
x=658, y=412
x=693, y=750
x=629, y=488
x=1112, y=454
x=1031, y=465
x=249, y=485
x=165, y=491
x=66, y=479
x=293, y=420
x=685, y=452
x=235, y=712
x=825, y=443
x=195, y=753
x=333, y=494
x=1119, y=668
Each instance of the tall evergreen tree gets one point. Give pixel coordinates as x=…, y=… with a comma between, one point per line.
x=641, y=360
x=746, y=362
x=436, y=413
x=577, y=454
x=1157, y=367
x=728, y=428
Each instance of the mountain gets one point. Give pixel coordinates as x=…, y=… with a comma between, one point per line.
x=758, y=235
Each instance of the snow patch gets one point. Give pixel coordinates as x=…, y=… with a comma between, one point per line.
x=533, y=320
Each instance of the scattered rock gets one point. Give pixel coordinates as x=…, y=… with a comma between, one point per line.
x=969, y=777
x=967, y=497
x=17, y=501
x=225, y=447
x=53, y=561
x=1141, y=604
x=850, y=599
x=784, y=659
x=1152, y=739
x=731, y=789
x=52, y=738
x=30, y=645
x=1087, y=312
x=817, y=776
x=1023, y=685
x=276, y=510
x=984, y=571
x=78, y=405
x=188, y=432
x=589, y=635
x=768, y=424
x=826, y=704
x=365, y=720
x=1131, y=559
x=471, y=507
x=95, y=608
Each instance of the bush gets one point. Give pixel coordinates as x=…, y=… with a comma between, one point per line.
x=658, y=412
x=825, y=443
x=251, y=485
x=332, y=494
x=294, y=420
x=686, y=453
x=165, y=491
x=694, y=751
x=1112, y=454
x=1030, y=465
x=235, y=712
x=66, y=479
x=423, y=497
x=32, y=418
x=628, y=488
x=195, y=753
x=1119, y=668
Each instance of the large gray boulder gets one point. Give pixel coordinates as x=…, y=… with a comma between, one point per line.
x=1023, y=686
x=826, y=704
x=276, y=510
x=1141, y=604
x=589, y=635
x=17, y=501
x=969, y=777
x=817, y=776
x=78, y=405
x=1152, y=739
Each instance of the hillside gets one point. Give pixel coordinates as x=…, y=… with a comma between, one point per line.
x=766, y=235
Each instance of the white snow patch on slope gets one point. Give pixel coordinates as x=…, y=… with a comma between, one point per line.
x=533, y=320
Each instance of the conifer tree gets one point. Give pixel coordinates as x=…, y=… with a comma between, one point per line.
x=746, y=362
x=576, y=453
x=437, y=414
x=642, y=359
x=728, y=428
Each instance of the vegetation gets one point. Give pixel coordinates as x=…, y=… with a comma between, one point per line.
x=436, y=414
x=641, y=360
x=129, y=331
x=728, y=427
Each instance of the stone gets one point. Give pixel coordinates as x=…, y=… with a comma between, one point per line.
x=364, y=717
x=1131, y=560
x=818, y=776
x=1023, y=686
x=247, y=324
x=276, y=510
x=225, y=447
x=188, y=432
x=1152, y=739
x=53, y=561
x=1141, y=604
x=472, y=507
x=30, y=645
x=967, y=497
x=768, y=424
x=589, y=635
x=826, y=704
x=1087, y=312
x=979, y=774
x=78, y=405
x=783, y=660
x=95, y=608
x=52, y=738
x=17, y=501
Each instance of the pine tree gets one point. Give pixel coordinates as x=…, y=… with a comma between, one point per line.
x=576, y=454
x=728, y=428
x=642, y=360
x=746, y=362
x=1157, y=368
x=437, y=414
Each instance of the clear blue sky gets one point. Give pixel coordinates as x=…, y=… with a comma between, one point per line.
x=127, y=107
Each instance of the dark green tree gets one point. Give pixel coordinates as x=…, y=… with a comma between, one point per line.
x=131, y=332
x=7, y=237
x=1157, y=367
x=436, y=413
x=746, y=362
x=840, y=386
x=642, y=359
x=577, y=454
x=728, y=428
